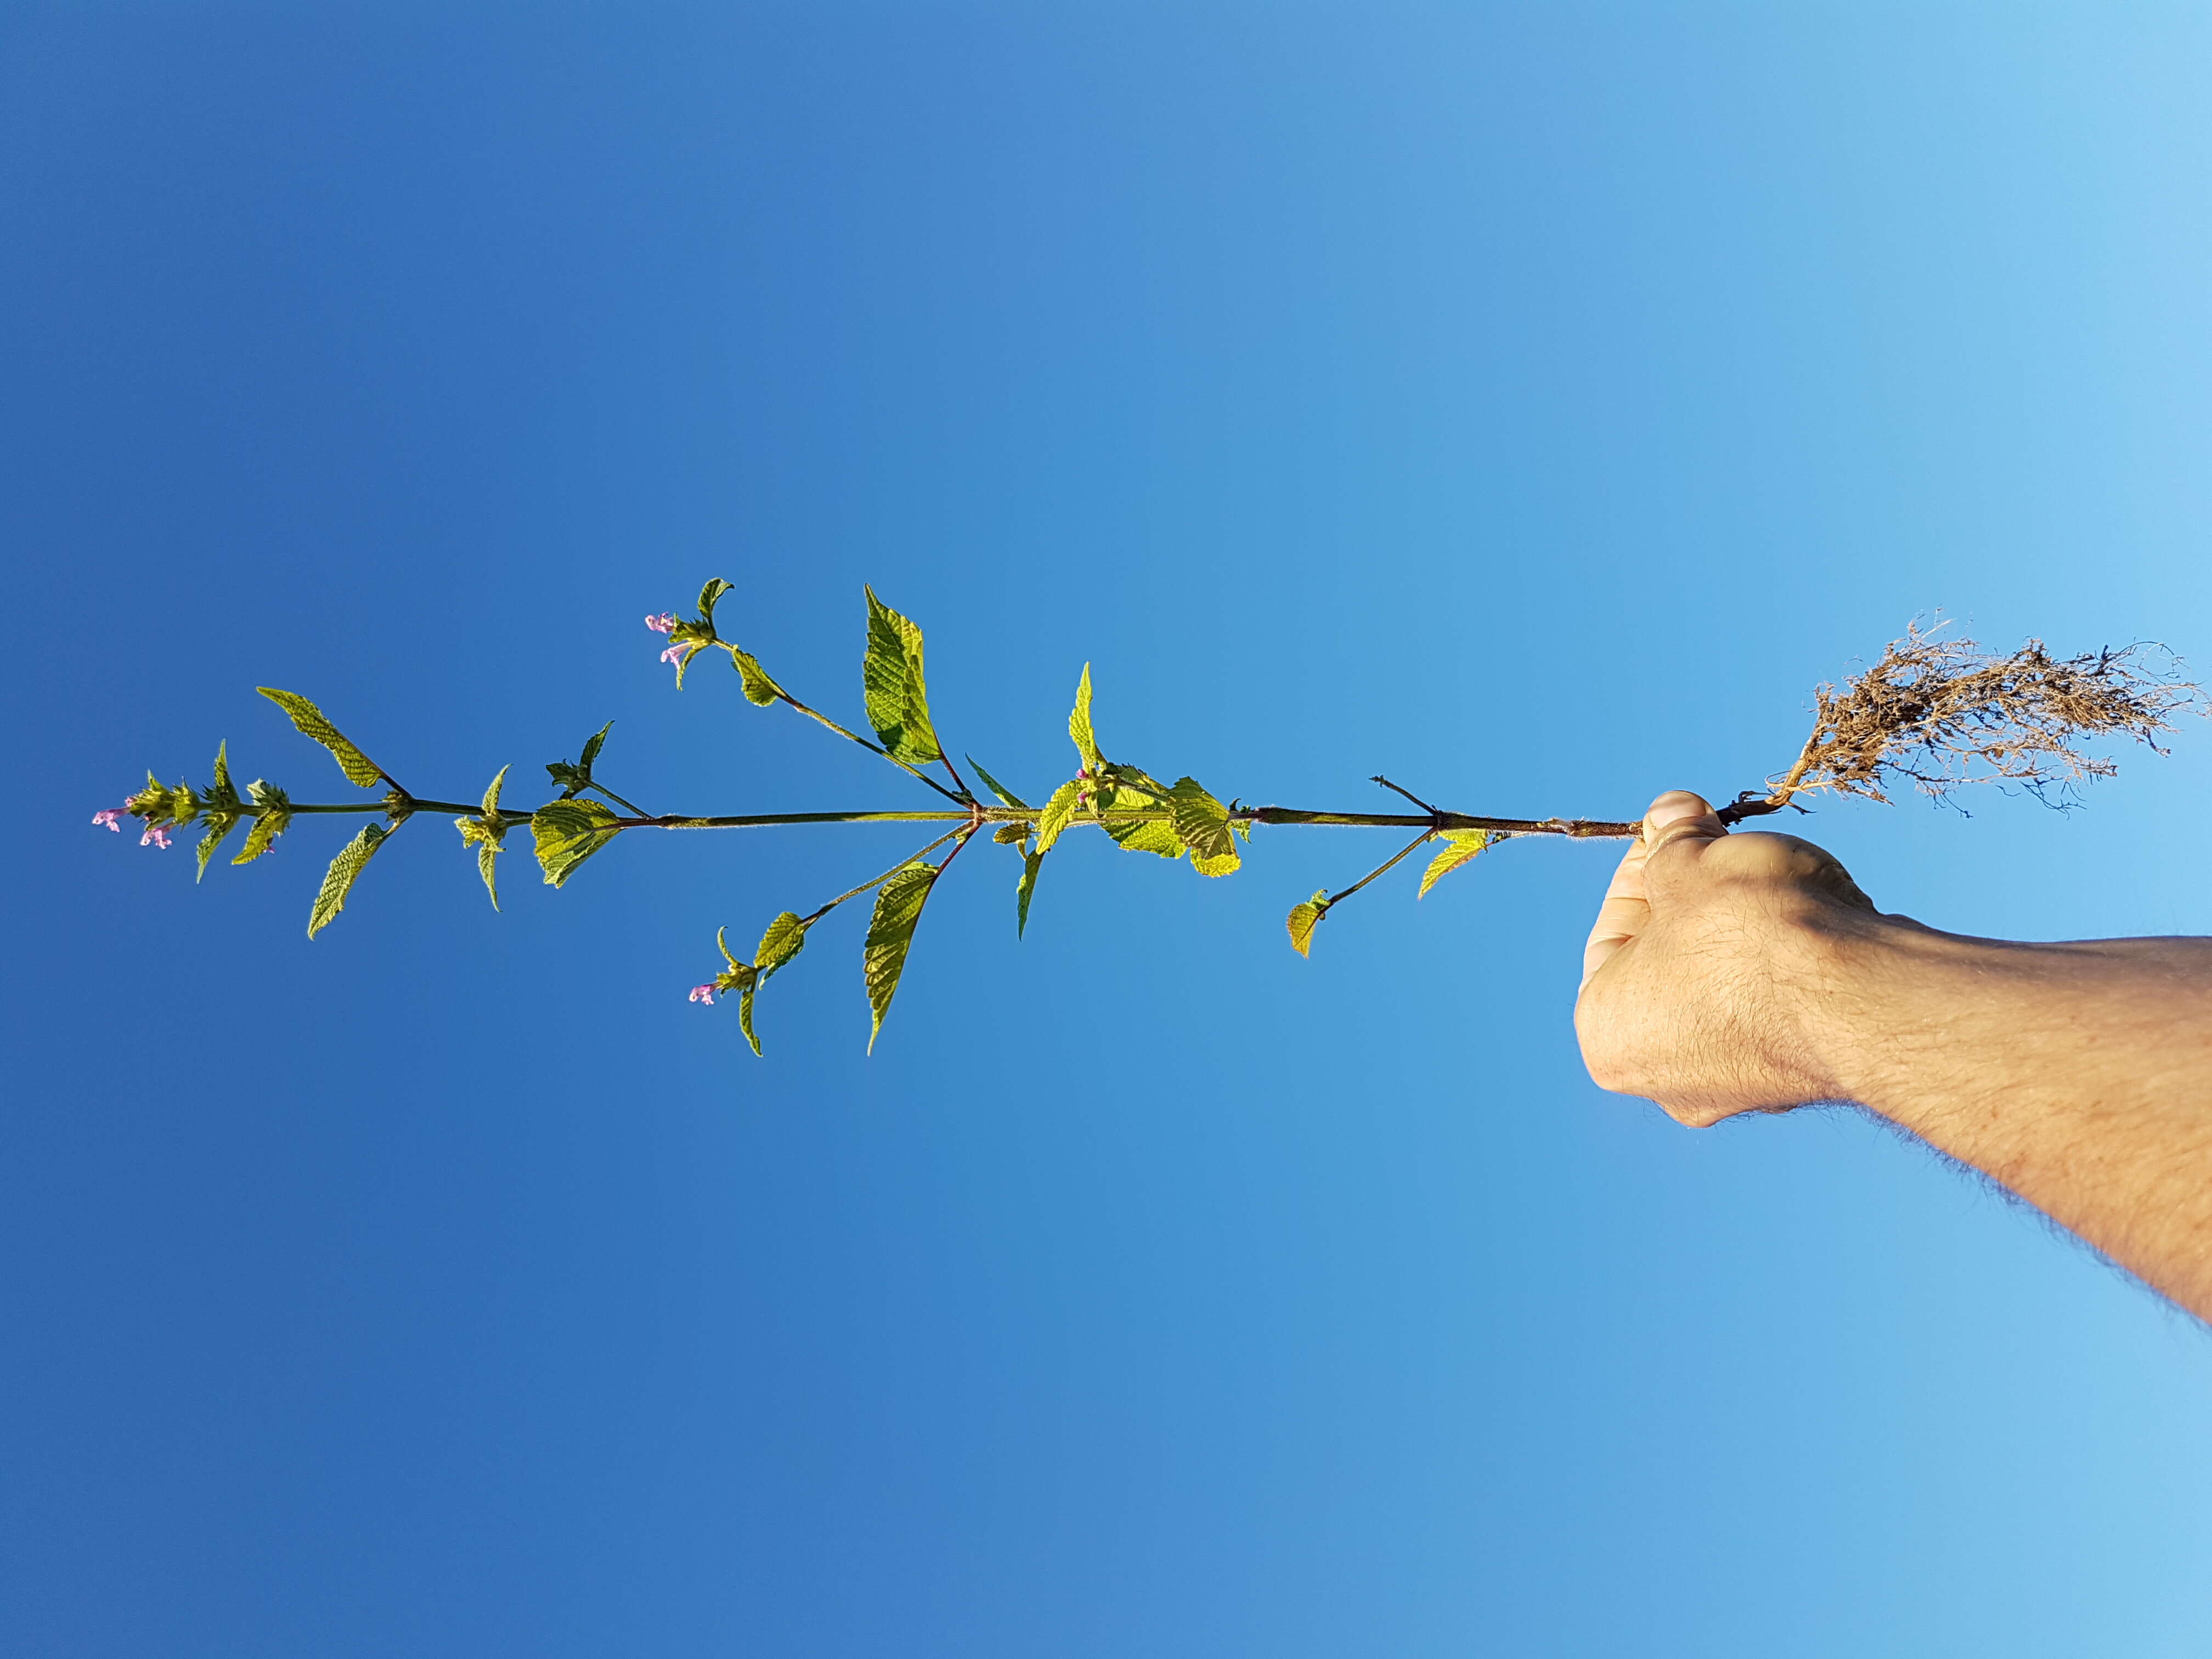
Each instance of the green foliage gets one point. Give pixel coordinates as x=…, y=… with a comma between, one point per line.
x=1031, y=863
x=1006, y=797
x=356, y=766
x=710, y=595
x=344, y=870
x=1057, y=814
x=567, y=832
x=891, y=934
x=1303, y=917
x=784, y=938
x=486, y=834
x=1078, y=725
x=1011, y=834
x=574, y=780
x=220, y=809
x=892, y=684
x=1460, y=847
x=275, y=818
x=760, y=690
x=1202, y=824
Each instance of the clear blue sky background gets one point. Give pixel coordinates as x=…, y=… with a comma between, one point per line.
x=1533, y=403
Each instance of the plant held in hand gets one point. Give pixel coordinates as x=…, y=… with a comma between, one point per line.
x=1933, y=713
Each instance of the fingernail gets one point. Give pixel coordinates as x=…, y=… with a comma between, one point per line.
x=1674, y=807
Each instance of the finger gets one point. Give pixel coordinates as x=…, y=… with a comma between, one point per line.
x=1622, y=914
x=1680, y=818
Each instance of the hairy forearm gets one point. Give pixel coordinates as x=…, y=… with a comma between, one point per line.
x=2078, y=1075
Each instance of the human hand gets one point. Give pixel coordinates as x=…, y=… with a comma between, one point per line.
x=1718, y=972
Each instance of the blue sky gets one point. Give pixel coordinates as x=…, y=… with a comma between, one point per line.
x=1533, y=404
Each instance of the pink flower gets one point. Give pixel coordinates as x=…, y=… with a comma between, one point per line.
x=677, y=654
x=703, y=993
x=107, y=819
x=155, y=836
x=661, y=624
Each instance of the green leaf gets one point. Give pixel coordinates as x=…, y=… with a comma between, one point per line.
x=1031, y=863
x=275, y=818
x=222, y=789
x=710, y=595
x=592, y=744
x=309, y=718
x=1131, y=785
x=1302, y=919
x=891, y=934
x=1202, y=824
x=492, y=794
x=486, y=856
x=784, y=938
x=1078, y=724
x=219, y=824
x=567, y=832
x=339, y=880
x=745, y=1014
x=760, y=690
x=891, y=680
x=574, y=780
x=1459, y=847
x=1006, y=796
x=1011, y=834
x=1156, y=835
x=1057, y=812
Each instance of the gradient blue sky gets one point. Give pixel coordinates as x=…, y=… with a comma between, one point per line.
x=1533, y=403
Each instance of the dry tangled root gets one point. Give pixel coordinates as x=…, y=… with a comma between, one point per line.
x=1938, y=713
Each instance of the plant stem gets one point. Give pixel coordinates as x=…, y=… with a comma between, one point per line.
x=1578, y=829
x=1335, y=899
x=878, y=881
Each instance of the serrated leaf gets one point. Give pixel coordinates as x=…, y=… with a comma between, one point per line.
x=222, y=789
x=491, y=794
x=345, y=869
x=890, y=935
x=745, y=1015
x=1154, y=836
x=722, y=942
x=710, y=595
x=1202, y=824
x=567, y=832
x=486, y=856
x=356, y=766
x=592, y=744
x=784, y=938
x=760, y=690
x=1078, y=724
x=1303, y=917
x=1460, y=847
x=1128, y=786
x=891, y=681
x=275, y=818
x=1056, y=815
x=1011, y=834
x=219, y=825
x=1006, y=797
x=1031, y=863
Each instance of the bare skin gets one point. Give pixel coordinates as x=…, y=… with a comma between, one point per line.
x=1746, y=973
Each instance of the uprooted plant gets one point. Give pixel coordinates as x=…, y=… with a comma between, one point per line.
x=1933, y=711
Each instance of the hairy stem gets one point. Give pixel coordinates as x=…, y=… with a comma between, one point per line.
x=1578, y=828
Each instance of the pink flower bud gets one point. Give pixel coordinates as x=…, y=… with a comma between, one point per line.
x=703, y=993
x=108, y=818
x=676, y=653
x=661, y=624
x=155, y=836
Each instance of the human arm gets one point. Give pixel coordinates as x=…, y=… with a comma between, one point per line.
x=1746, y=972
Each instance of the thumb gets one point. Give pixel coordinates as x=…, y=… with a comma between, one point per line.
x=1679, y=819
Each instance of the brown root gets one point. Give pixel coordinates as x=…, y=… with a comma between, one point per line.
x=1938, y=713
